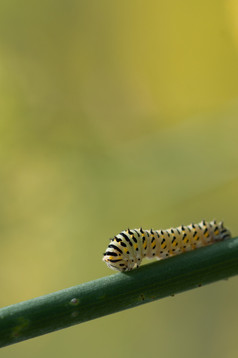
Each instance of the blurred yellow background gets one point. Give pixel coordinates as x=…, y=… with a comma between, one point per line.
x=115, y=114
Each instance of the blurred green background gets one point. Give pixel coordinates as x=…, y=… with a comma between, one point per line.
x=115, y=114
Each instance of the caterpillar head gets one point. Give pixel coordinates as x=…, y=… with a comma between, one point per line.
x=112, y=264
x=219, y=231
x=117, y=256
x=115, y=262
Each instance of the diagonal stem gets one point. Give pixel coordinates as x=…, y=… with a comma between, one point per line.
x=118, y=292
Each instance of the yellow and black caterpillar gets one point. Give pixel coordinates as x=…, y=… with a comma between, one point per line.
x=127, y=249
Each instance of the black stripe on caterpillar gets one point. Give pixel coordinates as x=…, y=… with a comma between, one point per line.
x=127, y=249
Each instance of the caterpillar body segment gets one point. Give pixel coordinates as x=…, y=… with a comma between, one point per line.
x=127, y=249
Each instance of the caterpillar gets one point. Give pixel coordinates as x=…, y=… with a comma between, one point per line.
x=127, y=249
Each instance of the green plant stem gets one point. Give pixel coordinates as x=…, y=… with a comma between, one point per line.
x=118, y=292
